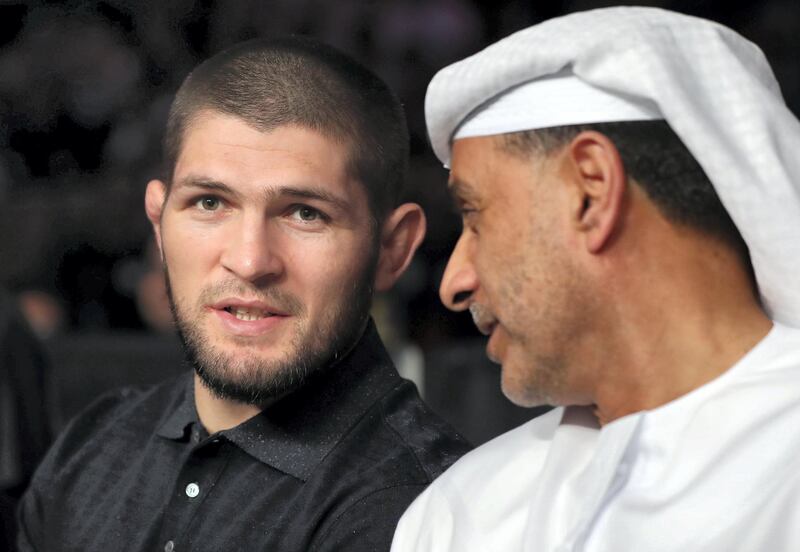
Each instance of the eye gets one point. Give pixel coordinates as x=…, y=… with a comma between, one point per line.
x=468, y=215
x=306, y=213
x=209, y=203
x=469, y=219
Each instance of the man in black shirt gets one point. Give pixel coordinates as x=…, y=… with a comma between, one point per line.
x=279, y=218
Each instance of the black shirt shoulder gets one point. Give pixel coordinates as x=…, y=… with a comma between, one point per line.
x=127, y=414
x=96, y=443
x=434, y=443
x=388, y=458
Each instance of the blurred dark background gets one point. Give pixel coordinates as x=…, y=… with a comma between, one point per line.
x=85, y=87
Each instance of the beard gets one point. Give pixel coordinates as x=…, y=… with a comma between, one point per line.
x=254, y=380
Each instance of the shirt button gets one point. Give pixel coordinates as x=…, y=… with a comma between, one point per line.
x=169, y=547
x=192, y=490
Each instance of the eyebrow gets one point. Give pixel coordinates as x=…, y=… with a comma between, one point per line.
x=310, y=192
x=206, y=184
x=460, y=189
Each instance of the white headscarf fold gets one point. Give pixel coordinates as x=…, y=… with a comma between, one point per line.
x=713, y=87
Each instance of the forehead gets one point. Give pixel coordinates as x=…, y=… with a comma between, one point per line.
x=476, y=161
x=484, y=171
x=225, y=148
x=470, y=154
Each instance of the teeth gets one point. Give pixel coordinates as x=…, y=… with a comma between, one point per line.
x=248, y=314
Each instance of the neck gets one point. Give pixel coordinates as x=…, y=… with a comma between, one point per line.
x=677, y=323
x=217, y=414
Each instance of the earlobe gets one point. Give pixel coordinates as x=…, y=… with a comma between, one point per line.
x=401, y=234
x=154, y=197
x=601, y=183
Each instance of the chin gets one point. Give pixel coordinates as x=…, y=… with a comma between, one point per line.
x=520, y=397
x=526, y=401
x=523, y=393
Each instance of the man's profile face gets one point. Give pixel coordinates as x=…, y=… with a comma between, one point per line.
x=269, y=253
x=511, y=266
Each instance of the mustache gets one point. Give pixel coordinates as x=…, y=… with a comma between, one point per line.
x=480, y=315
x=274, y=296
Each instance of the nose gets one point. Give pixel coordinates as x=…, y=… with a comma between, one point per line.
x=252, y=250
x=460, y=281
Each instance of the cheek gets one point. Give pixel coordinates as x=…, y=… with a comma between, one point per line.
x=498, y=266
x=325, y=271
x=188, y=254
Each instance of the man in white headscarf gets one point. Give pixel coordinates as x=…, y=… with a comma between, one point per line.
x=631, y=243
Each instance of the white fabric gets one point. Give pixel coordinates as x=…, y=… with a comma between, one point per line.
x=713, y=87
x=554, y=100
x=715, y=470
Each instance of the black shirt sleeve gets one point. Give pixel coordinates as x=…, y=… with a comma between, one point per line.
x=30, y=522
x=38, y=514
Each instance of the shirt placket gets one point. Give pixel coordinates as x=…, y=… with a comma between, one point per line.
x=612, y=467
x=198, y=476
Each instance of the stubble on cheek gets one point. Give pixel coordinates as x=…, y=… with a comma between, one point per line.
x=243, y=372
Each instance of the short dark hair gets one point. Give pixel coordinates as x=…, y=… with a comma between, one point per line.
x=658, y=161
x=272, y=83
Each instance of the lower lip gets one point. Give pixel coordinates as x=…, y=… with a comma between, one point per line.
x=248, y=328
x=492, y=347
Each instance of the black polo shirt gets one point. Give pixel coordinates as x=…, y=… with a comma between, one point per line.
x=330, y=467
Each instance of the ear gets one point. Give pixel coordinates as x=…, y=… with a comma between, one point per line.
x=601, y=182
x=154, y=198
x=401, y=234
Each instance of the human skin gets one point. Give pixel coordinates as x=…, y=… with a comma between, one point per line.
x=525, y=291
x=590, y=294
x=264, y=234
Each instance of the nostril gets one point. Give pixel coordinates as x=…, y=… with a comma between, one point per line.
x=461, y=296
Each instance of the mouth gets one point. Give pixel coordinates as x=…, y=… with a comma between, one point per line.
x=486, y=323
x=248, y=318
x=483, y=319
x=249, y=314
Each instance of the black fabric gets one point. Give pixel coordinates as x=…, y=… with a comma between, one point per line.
x=331, y=467
x=24, y=416
x=462, y=385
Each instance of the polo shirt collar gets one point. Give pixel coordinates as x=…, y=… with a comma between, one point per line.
x=296, y=433
x=182, y=413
